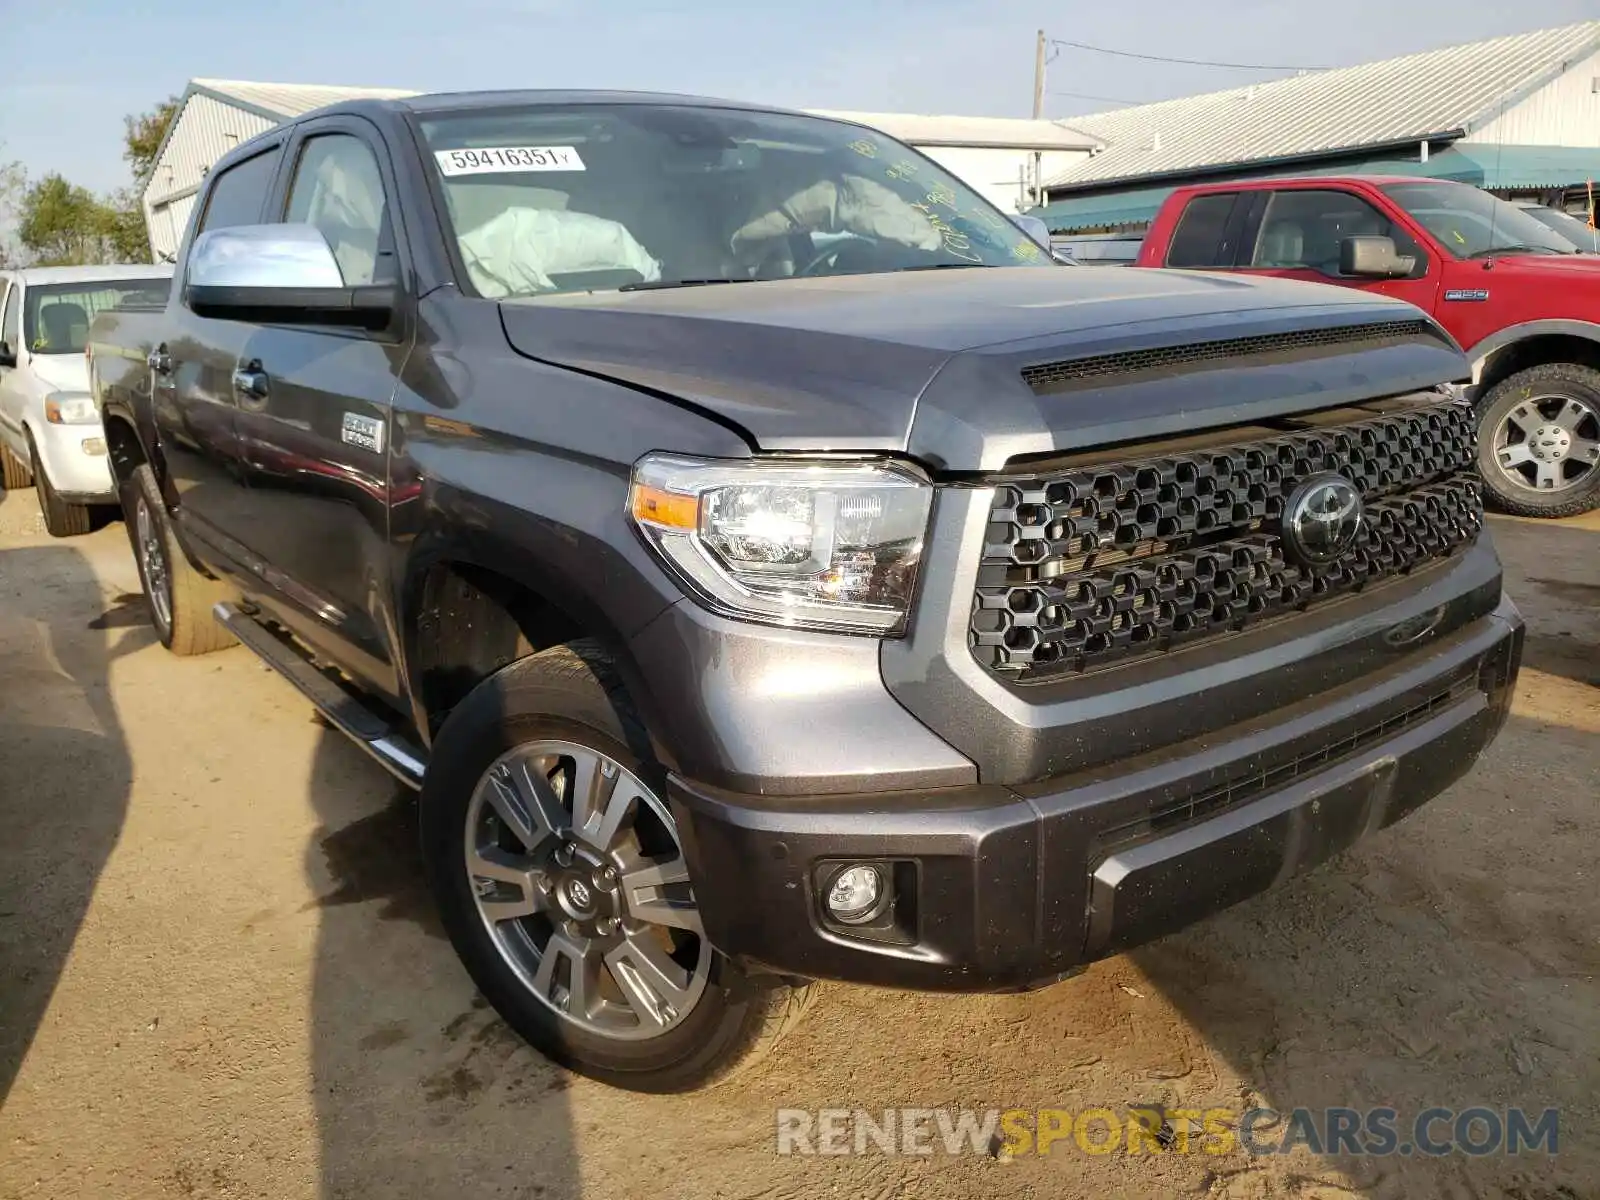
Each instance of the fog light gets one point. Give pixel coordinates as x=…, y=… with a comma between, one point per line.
x=94, y=447
x=854, y=894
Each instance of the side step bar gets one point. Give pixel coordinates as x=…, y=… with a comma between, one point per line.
x=393, y=751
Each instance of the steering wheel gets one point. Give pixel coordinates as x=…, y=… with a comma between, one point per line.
x=832, y=250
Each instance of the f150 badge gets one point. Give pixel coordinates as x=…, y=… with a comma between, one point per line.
x=366, y=432
x=1466, y=293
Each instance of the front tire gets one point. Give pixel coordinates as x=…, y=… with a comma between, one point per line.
x=1539, y=441
x=180, y=598
x=561, y=881
x=61, y=519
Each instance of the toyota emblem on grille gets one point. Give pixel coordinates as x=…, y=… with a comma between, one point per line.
x=1322, y=519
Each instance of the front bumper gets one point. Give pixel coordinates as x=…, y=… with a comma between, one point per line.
x=75, y=461
x=1000, y=887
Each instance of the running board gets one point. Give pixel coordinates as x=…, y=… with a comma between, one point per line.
x=393, y=751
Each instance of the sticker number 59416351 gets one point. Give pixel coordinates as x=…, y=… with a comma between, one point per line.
x=483, y=160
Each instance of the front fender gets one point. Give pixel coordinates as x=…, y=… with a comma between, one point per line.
x=1488, y=347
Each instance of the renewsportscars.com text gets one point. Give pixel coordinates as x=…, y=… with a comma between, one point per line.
x=1016, y=1132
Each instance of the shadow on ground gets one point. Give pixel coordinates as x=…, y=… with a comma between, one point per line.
x=60, y=825
x=420, y=1090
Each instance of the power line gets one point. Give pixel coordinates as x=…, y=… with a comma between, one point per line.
x=1098, y=99
x=1187, y=62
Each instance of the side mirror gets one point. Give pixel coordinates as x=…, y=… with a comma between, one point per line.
x=1373, y=258
x=280, y=275
x=8, y=356
x=1035, y=228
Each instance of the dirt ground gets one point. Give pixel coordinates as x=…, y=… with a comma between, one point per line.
x=220, y=975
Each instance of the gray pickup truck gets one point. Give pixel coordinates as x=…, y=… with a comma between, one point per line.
x=770, y=566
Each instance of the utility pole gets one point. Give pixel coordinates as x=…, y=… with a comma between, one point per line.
x=1038, y=77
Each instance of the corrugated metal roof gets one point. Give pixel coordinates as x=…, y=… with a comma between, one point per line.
x=284, y=100
x=998, y=132
x=1436, y=93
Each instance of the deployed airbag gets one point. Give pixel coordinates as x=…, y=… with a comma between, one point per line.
x=518, y=251
x=850, y=205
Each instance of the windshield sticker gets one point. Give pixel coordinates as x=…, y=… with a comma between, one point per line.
x=494, y=160
x=1467, y=294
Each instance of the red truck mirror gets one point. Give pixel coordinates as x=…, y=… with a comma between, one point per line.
x=1373, y=258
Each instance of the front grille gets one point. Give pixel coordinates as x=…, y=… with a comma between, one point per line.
x=1054, y=376
x=1101, y=563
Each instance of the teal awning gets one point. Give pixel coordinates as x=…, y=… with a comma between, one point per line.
x=1486, y=166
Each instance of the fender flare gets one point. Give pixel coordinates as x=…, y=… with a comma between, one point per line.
x=1488, y=347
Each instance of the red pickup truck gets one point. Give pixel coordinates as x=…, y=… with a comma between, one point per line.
x=1517, y=296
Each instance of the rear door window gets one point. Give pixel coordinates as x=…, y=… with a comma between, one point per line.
x=1200, y=239
x=240, y=192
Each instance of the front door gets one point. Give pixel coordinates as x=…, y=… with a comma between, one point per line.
x=314, y=415
x=1296, y=234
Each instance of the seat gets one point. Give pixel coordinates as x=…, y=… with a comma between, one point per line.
x=65, y=326
x=1282, y=244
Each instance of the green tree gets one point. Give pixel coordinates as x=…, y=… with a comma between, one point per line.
x=63, y=224
x=142, y=136
x=124, y=225
x=13, y=183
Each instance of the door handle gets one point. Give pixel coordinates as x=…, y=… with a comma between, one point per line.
x=251, y=381
x=159, y=361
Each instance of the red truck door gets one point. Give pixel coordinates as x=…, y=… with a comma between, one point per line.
x=1294, y=232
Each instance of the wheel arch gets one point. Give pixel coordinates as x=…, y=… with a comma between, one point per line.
x=467, y=614
x=1530, y=344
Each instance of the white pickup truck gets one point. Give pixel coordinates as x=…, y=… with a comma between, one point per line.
x=50, y=431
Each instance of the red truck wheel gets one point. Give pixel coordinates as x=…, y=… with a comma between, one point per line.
x=1539, y=441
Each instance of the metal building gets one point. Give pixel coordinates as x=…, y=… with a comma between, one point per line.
x=1005, y=159
x=1519, y=115
x=214, y=116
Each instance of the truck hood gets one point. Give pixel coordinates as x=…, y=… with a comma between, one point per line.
x=61, y=372
x=931, y=363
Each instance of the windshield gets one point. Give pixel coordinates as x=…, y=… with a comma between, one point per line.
x=1471, y=223
x=1574, y=229
x=56, y=316
x=551, y=200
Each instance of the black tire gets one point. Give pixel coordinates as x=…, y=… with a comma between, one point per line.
x=185, y=623
x=14, y=473
x=61, y=519
x=572, y=692
x=1582, y=386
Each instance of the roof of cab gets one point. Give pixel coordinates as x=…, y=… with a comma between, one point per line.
x=439, y=102
x=105, y=273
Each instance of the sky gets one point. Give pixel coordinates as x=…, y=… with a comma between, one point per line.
x=73, y=68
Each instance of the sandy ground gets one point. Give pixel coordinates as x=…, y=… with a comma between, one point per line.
x=220, y=975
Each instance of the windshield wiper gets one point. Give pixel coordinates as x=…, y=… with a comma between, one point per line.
x=1514, y=248
x=955, y=266
x=650, y=285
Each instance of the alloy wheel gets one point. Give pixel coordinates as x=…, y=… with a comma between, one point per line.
x=153, y=563
x=578, y=876
x=1549, y=443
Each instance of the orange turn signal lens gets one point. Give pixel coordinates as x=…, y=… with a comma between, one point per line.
x=668, y=510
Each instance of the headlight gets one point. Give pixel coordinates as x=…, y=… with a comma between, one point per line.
x=819, y=545
x=66, y=408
